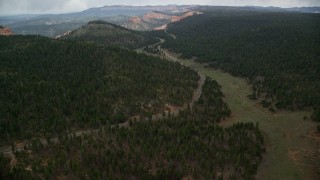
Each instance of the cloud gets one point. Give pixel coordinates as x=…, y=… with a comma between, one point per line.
x=42, y=6
x=64, y=6
x=277, y=3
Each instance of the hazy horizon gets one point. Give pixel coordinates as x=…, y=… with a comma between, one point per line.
x=17, y=7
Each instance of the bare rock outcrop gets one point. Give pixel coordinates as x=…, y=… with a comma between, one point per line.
x=4, y=31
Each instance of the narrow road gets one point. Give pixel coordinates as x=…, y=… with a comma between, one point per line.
x=196, y=93
x=172, y=35
x=7, y=150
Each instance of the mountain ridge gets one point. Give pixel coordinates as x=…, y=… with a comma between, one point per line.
x=106, y=33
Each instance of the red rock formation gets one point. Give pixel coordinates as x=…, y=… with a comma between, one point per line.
x=161, y=27
x=64, y=34
x=148, y=20
x=135, y=20
x=179, y=18
x=5, y=31
x=155, y=15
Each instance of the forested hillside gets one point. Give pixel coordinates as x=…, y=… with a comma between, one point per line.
x=110, y=34
x=52, y=86
x=191, y=145
x=278, y=52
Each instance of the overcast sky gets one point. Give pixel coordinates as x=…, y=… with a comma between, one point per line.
x=10, y=7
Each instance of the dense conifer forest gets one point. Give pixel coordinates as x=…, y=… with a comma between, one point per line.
x=110, y=34
x=279, y=53
x=190, y=145
x=53, y=86
x=85, y=106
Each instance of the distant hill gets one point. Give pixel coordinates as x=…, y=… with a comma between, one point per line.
x=305, y=9
x=294, y=9
x=258, y=8
x=131, y=10
x=52, y=25
x=110, y=34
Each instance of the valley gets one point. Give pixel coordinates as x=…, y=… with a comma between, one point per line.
x=161, y=92
x=292, y=151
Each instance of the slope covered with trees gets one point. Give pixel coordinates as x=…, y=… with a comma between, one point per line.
x=51, y=86
x=279, y=53
x=190, y=145
x=110, y=34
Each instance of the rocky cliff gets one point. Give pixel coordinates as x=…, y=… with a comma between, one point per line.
x=4, y=31
x=156, y=20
